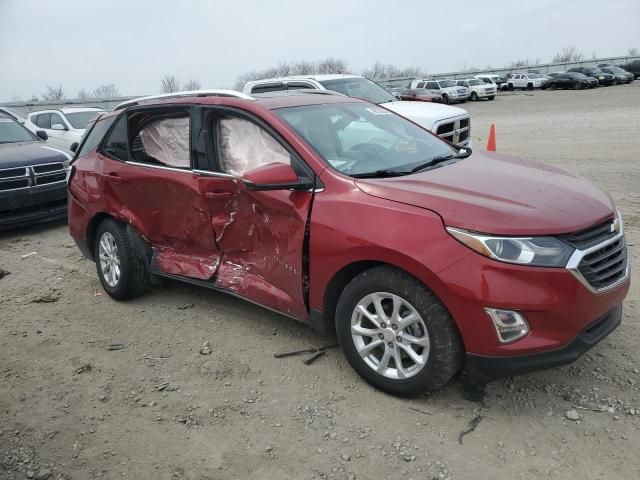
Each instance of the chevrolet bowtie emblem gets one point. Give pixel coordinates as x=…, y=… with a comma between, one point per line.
x=615, y=226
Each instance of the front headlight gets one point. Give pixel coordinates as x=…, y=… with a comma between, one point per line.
x=538, y=251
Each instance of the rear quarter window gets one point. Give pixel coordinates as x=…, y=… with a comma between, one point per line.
x=93, y=136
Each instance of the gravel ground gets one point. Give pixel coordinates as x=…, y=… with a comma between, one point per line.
x=70, y=407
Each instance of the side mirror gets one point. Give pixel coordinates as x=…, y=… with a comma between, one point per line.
x=74, y=147
x=465, y=152
x=58, y=126
x=42, y=135
x=275, y=176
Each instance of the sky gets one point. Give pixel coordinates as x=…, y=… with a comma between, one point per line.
x=80, y=44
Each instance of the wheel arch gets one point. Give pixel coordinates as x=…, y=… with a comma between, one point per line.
x=325, y=321
x=92, y=228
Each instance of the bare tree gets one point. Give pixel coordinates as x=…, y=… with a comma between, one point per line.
x=568, y=54
x=302, y=67
x=106, y=91
x=169, y=84
x=332, y=65
x=53, y=94
x=523, y=62
x=382, y=71
x=632, y=52
x=83, y=95
x=192, y=84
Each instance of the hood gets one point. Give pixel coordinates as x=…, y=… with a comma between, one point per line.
x=423, y=113
x=498, y=194
x=29, y=153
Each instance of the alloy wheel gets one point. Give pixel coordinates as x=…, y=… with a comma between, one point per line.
x=390, y=335
x=109, y=257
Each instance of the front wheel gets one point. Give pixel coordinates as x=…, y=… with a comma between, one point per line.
x=474, y=96
x=445, y=99
x=396, y=334
x=492, y=97
x=122, y=273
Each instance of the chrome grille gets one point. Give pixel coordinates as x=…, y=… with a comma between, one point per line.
x=29, y=177
x=49, y=173
x=15, y=178
x=456, y=132
x=601, y=259
x=606, y=265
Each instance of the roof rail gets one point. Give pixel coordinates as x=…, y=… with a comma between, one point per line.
x=185, y=94
x=317, y=91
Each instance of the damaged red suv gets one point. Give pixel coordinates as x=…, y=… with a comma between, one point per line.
x=423, y=258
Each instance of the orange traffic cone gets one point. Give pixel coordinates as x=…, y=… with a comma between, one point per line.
x=491, y=142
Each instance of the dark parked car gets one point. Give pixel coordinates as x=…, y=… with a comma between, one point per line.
x=342, y=214
x=633, y=68
x=573, y=80
x=622, y=76
x=33, y=176
x=603, y=78
x=420, y=95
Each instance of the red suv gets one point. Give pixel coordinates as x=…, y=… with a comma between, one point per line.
x=334, y=211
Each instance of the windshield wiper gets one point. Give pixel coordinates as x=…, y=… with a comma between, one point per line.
x=381, y=174
x=437, y=160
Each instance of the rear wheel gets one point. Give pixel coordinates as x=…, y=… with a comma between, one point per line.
x=396, y=334
x=122, y=273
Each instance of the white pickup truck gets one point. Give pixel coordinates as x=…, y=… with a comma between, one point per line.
x=525, y=81
x=447, y=88
x=450, y=123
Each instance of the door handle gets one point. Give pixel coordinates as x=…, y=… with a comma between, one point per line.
x=114, y=177
x=218, y=194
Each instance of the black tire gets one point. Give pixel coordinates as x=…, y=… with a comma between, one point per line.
x=510, y=87
x=445, y=98
x=474, y=97
x=133, y=269
x=529, y=86
x=446, y=353
x=492, y=97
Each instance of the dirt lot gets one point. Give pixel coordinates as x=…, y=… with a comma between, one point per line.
x=157, y=409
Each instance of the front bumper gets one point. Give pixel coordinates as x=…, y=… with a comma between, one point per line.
x=484, y=368
x=33, y=205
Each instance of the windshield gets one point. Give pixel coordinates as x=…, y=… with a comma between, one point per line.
x=594, y=71
x=535, y=75
x=447, y=83
x=357, y=138
x=80, y=119
x=578, y=75
x=617, y=70
x=359, y=87
x=476, y=82
x=12, y=132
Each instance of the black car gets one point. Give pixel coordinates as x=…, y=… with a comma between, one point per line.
x=573, y=80
x=633, y=68
x=603, y=78
x=33, y=177
x=622, y=76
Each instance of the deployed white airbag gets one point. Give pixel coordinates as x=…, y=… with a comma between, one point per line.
x=167, y=140
x=245, y=146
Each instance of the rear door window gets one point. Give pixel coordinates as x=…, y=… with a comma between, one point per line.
x=44, y=120
x=420, y=85
x=161, y=137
